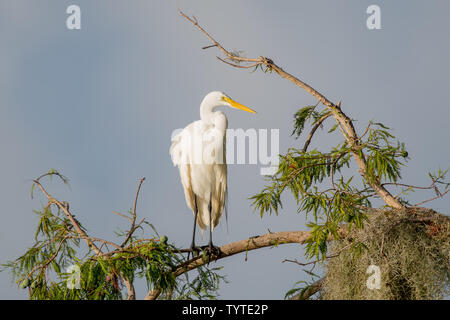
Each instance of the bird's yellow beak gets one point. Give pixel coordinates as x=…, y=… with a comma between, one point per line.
x=237, y=105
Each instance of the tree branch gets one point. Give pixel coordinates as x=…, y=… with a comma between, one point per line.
x=345, y=123
x=253, y=243
x=65, y=209
x=437, y=197
x=82, y=234
x=230, y=56
x=133, y=219
x=313, y=130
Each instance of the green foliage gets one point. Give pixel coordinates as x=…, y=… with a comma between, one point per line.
x=305, y=114
x=302, y=173
x=323, y=190
x=203, y=286
x=382, y=156
x=438, y=180
x=54, y=268
x=297, y=290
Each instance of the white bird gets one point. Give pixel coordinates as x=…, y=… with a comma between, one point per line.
x=199, y=152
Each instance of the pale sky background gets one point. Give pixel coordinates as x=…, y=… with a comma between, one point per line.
x=99, y=104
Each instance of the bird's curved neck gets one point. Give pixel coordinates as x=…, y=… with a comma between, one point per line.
x=207, y=109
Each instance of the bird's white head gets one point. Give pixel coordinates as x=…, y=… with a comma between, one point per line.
x=217, y=98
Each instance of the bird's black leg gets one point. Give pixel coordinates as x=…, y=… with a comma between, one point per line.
x=193, y=248
x=211, y=248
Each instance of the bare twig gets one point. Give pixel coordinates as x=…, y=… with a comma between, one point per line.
x=365, y=131
x=409, y=186
x=122, y=215
x=313, y=130
x=431, y=186
x=44, y=266
x=194, y=21
x=437, y=197
x=334, y=255
x=133, y=219
x=237, y=65
x=93, y=239
x=333, y=166
x=316, y=286
x=207, y=47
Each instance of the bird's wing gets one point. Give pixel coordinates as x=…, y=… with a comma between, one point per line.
x=199, y=152
x=187, y=145
x=179, y=151
x=220, y=191
x=195, y=177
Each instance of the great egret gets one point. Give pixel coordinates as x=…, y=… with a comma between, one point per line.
x=199, y=152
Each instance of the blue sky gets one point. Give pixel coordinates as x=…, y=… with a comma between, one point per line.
x=99, y=104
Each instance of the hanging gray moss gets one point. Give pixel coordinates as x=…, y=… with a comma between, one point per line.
x=411, y=248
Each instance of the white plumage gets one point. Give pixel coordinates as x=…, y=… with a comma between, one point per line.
x=199, y=153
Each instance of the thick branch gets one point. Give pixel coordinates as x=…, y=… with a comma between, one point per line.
x=349, y=133
x=233, y=248
x=130, y=289
x=153, y=294
x=249, y=244
x=345, y=123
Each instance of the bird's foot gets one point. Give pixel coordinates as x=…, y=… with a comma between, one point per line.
x=211, y=250
x=194, y=250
